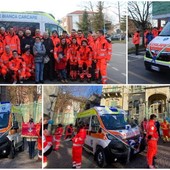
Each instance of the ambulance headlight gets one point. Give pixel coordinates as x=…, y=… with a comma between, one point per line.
x=111, y=137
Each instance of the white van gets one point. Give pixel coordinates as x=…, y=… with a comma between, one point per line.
x=157, y=57
x=30, y=20
x=109, y=136
x=10, y=132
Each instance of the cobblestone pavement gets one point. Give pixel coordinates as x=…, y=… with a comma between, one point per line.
x=62, y=158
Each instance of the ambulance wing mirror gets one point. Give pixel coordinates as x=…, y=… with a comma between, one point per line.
x=15, y=125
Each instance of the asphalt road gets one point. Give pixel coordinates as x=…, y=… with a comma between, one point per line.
x=21, y=160
x=138, y=75
x=116, y=68
x=62, y=158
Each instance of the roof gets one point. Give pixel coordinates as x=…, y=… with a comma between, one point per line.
x=78, y=12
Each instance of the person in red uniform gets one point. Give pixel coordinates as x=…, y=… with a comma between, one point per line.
x=57, y=136
x=47, y=140
x=65, y=35
x=72, y=56
x=13, y=41
x=80, y=36
x=1, y=47
x=37, y=34
x=17, y=66
x=69, y=131
x=73, y=34
x=29, y=61
x=3, y=34
x=78, y=141
x=39, y=140
x=155, y=32
x=4, y=61
x=101, y=55
x=85, y=60
x=61, y=63
x=56, y=41
x=152, y=139
x=165, y=130
x=136, y=41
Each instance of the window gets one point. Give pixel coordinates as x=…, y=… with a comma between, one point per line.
x=95, y=124
x=20, y=26
x=52, y=27
x=4, y=119
x=85, y=120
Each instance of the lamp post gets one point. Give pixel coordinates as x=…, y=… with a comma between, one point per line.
x=52, y=98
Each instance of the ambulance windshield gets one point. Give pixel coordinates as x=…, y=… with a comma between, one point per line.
x=166, y=30
x=114, y=121
x=4, y=119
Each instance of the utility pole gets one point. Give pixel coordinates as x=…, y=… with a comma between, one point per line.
x=119, y=18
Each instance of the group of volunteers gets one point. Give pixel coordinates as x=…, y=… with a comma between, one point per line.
x=53, y=141
x=65, y=57
x=151, y=130
x=149, y=34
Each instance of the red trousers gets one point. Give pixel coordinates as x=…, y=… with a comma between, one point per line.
x=165, y=133
x=101, y=66
x=77, y=156
x=57, y=142
x=152, y=150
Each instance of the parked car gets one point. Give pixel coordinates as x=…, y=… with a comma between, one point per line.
x=117, y=37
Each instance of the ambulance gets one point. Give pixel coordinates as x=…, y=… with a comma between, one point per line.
x=157, y=56
x=109, y=135
x=10, y=132
x=30, y=20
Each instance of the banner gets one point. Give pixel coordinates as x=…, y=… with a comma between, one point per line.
x=29, y=130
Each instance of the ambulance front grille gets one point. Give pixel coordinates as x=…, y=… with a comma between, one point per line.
x=162, y=57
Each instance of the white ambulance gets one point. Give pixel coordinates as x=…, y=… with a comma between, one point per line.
x=109, y=136
x=157, y=57
x=30, y=20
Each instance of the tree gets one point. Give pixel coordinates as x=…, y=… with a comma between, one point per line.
x=98, y=20
x=123, y=23
x=140, y=13
x=84, y=24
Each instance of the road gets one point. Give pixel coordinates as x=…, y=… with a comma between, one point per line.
x=138, y=75
x=116, y=68
x=62, y=158
x=21, y=160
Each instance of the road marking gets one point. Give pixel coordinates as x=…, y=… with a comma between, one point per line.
x=123, y=74
x=136, y=56
x=118, y=54
x=115, y=68
x=134, y=60
x=141, y=77
x=115, y=81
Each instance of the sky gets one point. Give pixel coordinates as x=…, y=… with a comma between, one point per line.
x=59, y=8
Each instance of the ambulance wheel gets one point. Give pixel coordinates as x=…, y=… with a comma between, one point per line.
x=12, y=151
x=101, y=158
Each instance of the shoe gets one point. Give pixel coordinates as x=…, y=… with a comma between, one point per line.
x=21, y=82
x=44, y=164
x=15, y=82
x=36, y=82
x=151, y=167
x=66, y=81
x=62, y=81
x=41, y=81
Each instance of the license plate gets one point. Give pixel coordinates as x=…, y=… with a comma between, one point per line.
x=155, y=68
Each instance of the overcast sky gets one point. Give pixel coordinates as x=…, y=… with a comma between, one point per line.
x=59, y=8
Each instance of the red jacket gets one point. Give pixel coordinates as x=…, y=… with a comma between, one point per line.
x=136, y=38
x=72, y=53
x=14, y=42
x=61, y=64
x=29, y=60
x=80, y=137
x=151, y=130
x=85, y=53
x=59, y=131
x=101, y=48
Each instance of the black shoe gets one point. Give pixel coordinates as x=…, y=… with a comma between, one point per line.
x=41, y=81
x=36, y=82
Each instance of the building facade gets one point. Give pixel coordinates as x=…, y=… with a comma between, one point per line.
x=139, y=101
